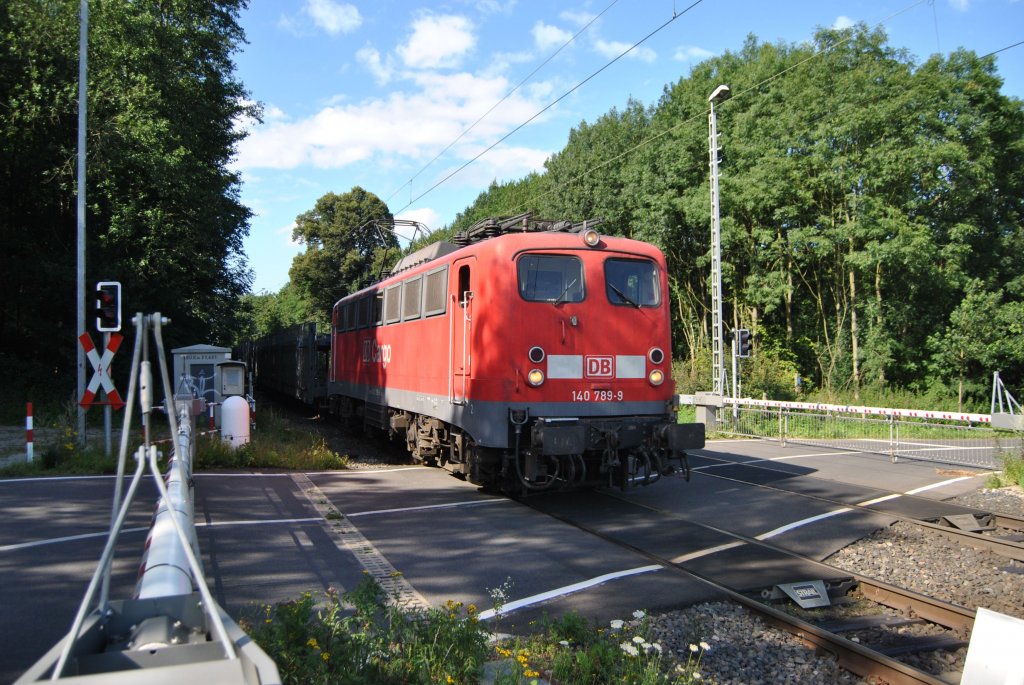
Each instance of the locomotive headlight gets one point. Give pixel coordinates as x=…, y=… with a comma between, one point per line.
x=656, y=377
x=535, y=377
x=536, y=355
x=591, y=238
x=656, y=355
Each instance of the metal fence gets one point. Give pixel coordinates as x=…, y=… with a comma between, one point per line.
x=961, y=439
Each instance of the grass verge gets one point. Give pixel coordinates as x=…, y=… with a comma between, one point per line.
x=277, y=443
x=1012, y=473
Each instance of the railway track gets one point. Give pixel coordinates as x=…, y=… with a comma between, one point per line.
x=869, y=634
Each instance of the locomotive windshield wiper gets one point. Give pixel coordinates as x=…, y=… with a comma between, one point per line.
x=623, y=296
x=558, y=299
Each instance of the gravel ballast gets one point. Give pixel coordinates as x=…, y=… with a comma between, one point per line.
x=745, y=650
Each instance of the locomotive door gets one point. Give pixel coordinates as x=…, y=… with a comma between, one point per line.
x=460, y=322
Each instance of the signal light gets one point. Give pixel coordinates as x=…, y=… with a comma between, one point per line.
x=108, y=306
x=743, y=342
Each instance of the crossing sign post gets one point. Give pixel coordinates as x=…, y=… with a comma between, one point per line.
x=101, y=376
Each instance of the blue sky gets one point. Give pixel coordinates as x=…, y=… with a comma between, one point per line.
x=369, y=92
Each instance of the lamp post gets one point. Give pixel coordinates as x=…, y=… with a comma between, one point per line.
x=717, y=355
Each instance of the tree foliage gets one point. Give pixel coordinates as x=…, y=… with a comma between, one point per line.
x=871, y=208
x=346, y=241
x=163, y=212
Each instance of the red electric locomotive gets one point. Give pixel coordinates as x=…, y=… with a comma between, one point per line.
x=535, y=355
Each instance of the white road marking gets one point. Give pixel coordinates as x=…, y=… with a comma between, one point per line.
x=450, y=505
x=68, y=538
x=566, y=590
x=937, y=485
x=105, y=533
x=802, y=522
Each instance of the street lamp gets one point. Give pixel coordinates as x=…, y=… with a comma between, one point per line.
x=717, y=356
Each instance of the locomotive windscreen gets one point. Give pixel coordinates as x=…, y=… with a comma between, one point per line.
x=632, y=282
x=550, y=278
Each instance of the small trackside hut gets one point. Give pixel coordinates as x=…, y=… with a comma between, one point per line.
x=526, y=355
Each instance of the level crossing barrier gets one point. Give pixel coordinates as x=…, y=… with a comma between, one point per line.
x=953, y=438
x=172, y=630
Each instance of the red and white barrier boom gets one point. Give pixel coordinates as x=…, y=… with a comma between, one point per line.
x=172, y=631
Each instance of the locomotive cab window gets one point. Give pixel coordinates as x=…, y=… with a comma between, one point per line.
x=632, y=282
x=550, y=278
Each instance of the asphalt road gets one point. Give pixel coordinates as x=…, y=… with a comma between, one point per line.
x=264, y=537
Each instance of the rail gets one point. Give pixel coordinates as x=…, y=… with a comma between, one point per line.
x=955, y=438
x=172, y=628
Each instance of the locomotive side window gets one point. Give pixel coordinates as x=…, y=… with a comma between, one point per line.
x=550, y=278
x=632, y=282
x=411, y=293
x=393, y=304
x=362, y=312
x=463, y=284
x=377, y=315
x=435, y=292
x=346, y=316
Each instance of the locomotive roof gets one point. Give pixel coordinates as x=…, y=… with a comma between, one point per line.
x=425, y=254
x=489, y=228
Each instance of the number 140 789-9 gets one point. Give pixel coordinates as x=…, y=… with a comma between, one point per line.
x=597, y=396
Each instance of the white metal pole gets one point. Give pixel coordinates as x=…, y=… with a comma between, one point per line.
x=735, y=378
x=83, y=49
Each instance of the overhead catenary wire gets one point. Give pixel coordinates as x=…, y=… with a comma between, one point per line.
x=701, y=116
x=676, y=15
x=509, y=94
x=1008, y=47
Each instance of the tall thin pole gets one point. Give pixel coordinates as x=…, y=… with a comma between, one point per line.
x=717, y=354
x=83, y=49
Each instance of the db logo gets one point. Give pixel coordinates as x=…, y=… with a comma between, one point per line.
x=599, y=367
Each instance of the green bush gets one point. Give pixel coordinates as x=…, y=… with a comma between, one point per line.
x=375, y=642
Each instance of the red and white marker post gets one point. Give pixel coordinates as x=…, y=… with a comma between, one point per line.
x=28, y=432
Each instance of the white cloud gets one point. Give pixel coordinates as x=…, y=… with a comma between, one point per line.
x=579, y=18
x=427, y=216
x=614, y=48
x=842, y=22
x=691, y=53
x=274, y=113
x=369, y=57
x=334, y=17
x=438, y=42
x=414, y=124
x=287, y=232
x=496, y=7
x=546, y=36
x=962, y=5
x=508, y=163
